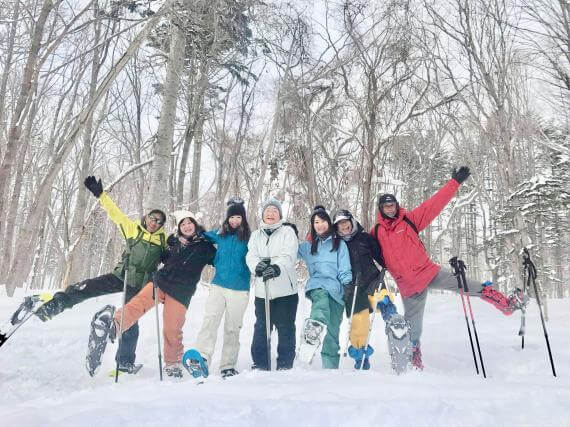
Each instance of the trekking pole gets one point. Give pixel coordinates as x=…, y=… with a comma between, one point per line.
x=371, y=322
x=531, y=271
x=354, y=289
x=120, y=334
x=267, y=322
x=155, y=296
x=457, y=274
x=466, y=289
x=522, y=330
x=126, y=259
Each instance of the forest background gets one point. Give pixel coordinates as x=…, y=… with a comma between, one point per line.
x=182, y=104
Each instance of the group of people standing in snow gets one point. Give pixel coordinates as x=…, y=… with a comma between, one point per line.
x=341, y=258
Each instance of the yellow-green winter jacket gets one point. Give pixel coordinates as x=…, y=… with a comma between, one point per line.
x=145, y=248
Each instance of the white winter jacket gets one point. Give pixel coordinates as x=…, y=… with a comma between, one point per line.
x=281, y=247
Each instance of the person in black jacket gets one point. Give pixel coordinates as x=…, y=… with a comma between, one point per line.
x=187, y=254
x=364, y=252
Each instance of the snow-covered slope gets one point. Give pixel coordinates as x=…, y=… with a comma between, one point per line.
x=43, y=381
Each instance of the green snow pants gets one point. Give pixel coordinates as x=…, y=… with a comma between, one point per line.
x=328, y=311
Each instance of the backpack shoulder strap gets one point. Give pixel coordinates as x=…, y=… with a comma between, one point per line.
x=293, y=226
x=411, y=224
x=376, y=231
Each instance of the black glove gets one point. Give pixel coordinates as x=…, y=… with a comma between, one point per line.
x=348, y=290
x=261, y=266
x=96, y=187
x=271, y=272
x=460, y=175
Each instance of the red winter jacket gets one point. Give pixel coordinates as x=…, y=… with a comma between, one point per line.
x=406, y=258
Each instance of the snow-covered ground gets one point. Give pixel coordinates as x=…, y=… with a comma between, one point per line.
x=43, y=381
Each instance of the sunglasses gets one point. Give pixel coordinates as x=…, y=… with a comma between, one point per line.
x=154, y=219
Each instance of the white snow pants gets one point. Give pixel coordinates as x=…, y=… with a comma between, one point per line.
x=233, y=303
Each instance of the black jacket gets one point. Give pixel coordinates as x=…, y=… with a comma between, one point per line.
x=364, y=250
x=183, y=267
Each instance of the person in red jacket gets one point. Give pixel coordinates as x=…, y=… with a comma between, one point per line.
x=410, y=265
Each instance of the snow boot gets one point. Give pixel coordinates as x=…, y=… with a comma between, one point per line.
x=52, y=307
x=387, y=308
x=417, y=358
x=358, y=354
x=173, y=370
x=129, y=368
x=103, y=330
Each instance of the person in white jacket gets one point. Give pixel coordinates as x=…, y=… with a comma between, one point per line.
x=272, y=253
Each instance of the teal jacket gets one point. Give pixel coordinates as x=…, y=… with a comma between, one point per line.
x=327, y=270
x=231, y=270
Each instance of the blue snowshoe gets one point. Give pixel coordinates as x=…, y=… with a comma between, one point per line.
x=195, y=364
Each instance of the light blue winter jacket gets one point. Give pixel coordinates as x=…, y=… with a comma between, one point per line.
x=327, y=270
x=231, y=270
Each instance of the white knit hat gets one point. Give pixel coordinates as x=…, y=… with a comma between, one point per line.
x=180, y=215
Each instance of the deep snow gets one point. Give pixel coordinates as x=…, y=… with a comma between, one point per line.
x=43, y=381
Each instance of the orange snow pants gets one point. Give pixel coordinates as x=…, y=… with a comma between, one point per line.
x=174, y=315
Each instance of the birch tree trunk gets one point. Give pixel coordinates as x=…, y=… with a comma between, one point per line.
x=196, y=166
x=18, y=116
x=158, y=193
x=8, y=66
x=28, y=237
x=73, y=268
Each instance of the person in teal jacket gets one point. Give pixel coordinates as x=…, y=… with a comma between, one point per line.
x=229, y=293
x=328, y=262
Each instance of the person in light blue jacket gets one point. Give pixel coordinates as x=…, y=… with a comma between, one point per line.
x=328, y=262
x=230, y=288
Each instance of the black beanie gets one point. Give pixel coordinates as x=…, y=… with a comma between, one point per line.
x=235, y=208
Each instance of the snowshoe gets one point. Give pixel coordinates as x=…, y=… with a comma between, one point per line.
x=195, y=364
x=399, y=343
x=314, y=333
x=26, y=309
x=103, y=329
x=518, y=300
x=229, y=372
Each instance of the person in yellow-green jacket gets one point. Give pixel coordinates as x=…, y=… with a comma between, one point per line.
x=145, y=240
